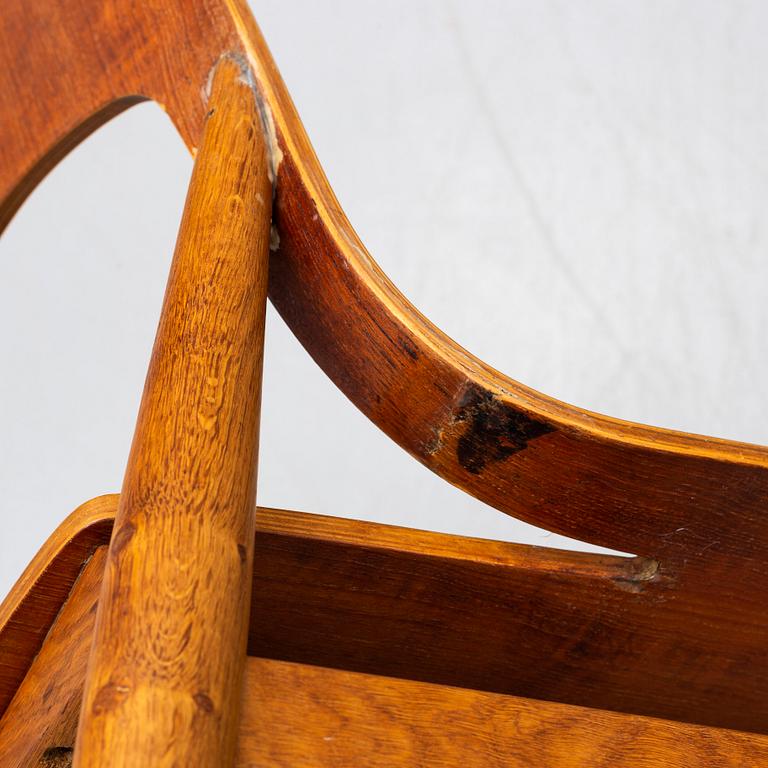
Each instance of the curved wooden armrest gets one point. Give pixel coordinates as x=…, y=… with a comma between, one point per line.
x=170, y=633
x=695, y=504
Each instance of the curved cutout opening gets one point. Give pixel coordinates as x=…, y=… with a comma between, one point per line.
x=580, y=236
x=79, y=300
x=83, y=267
x=636, y=485
x=320, y=454
x=57, y=153
x=632, y=512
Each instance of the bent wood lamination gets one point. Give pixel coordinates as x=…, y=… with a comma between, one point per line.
x=584, y=629
x=296, y=714
x=617, y=484
x=44, y=712
x=678, y=631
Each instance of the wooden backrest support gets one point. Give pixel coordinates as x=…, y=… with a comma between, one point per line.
x=693, y=508
x=69, y=65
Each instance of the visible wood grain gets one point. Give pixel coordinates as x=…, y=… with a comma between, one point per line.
x=591, y=630
x=165, y=672
x=695, y=505
x=43, y=714
x=607, y=632
x=304, y=716
x=687, y=501
x=297, y=716
x=688, y=642
x=30, y=608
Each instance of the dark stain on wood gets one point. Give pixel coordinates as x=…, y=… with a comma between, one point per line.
x=494, y=430
x=109, y=697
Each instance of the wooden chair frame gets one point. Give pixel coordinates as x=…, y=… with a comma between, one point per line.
x=677, y=632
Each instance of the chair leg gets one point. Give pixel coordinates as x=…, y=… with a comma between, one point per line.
x=165, y=672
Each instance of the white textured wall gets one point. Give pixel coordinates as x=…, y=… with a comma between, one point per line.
x=574, y=191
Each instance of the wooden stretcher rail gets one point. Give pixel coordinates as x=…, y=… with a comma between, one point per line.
x=678, y=631
x=298, y=715
x=582, y=629
x=695, y=506
x=314, y=717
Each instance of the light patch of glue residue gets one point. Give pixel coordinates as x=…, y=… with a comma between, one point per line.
x=247, y=68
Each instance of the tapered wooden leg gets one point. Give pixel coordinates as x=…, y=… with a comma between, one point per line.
x=165, y=673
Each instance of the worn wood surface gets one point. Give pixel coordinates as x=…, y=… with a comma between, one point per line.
x=576, y=628
x=165, y=672
x=296, y=715
x=597, y=631
x=301, y=715
x=695, y=632
x=689, y=502
x=57, y=757
x=43, y=714
x=29, y=609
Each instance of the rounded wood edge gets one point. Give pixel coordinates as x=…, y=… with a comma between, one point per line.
x=31, y=607
x=289, y=140
x=610, y=482
x=295, y=144
x=675, y=497
x=166, y=667
x=445, y=546
x=94, y=512
x=51, y=158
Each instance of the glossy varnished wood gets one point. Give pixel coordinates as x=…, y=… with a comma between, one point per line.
x=165, y=672
x=607, y=632
x=694, y=505
x=296, y=715
x=42, y=717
